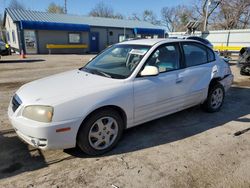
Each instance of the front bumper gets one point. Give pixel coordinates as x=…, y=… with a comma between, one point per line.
x=227, y=81
x=44, y=135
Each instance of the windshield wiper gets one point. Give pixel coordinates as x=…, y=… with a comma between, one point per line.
x=102, y=73
x=97, y=72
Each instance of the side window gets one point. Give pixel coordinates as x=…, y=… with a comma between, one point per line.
x=13, y=36
x=195, y=54
x=166, y=58
x=74, y=38
x=211, y=56
x=8, y=36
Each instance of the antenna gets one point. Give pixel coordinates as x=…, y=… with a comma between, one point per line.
x=65, y=6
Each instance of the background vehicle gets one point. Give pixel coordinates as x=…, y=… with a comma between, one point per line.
x=244, y=61
x=204, y=41
x=126, y=85
x=5, y=49
x=200, y=39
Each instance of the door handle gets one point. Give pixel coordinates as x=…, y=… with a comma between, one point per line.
x=179, y=80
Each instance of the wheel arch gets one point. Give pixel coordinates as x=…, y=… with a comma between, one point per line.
x=110, y=107
x=214, y=81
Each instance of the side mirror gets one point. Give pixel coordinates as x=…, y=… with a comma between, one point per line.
x=149, y=71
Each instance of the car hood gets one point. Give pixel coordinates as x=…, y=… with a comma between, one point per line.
x=63, y=86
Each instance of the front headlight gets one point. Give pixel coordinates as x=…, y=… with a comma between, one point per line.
x=38, y=113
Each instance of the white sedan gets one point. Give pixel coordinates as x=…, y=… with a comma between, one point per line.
x=126, y=85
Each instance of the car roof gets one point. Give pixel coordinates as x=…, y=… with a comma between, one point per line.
x=151, y=42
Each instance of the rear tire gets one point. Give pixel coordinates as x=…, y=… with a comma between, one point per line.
x=215, y=98
x=100, y=132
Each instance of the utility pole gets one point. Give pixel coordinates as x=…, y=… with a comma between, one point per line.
x=65, y=6
x=215, y=4
x=206, y=16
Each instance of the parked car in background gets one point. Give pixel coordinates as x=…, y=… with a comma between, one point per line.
x=200, y=39
x=5, y=49
x=204, y=41
x=244, y=61
x=126, y=85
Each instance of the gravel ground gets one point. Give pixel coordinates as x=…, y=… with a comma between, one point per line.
x=190, y=148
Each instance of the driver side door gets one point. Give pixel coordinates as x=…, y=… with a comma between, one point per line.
x=156, y=96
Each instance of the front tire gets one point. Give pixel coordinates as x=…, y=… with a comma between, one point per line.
x=101, y=132
x=215, y=98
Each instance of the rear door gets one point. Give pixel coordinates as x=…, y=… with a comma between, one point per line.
x=200, y=65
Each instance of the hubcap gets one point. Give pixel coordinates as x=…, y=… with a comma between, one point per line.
x=217, y=98
x=103, y=133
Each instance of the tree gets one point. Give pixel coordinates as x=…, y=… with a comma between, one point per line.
x=204, y=10
x=103, y=10
x=15, y=4
x=233, y=14
x=1, y=26
x=176, y=18
x=224, y=14
x=147, y=16
x=54, y=8
x=1, y=21
x=134, y=16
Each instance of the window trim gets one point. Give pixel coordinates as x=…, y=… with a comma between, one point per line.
x=196, y=44
x=181, y=65
x=214, y=58
x=80, y=40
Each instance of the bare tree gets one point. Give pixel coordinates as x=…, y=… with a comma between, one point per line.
x=204, y=10
x=147, y=16
x=134, y=16
x=15, y=4
x=1, y=24
x=223, y=14
x=54, y=8
x=1, y=20
x=233, y=14
x=103, y=10
x=176, y=18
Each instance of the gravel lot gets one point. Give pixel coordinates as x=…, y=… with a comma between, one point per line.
x=187, y=149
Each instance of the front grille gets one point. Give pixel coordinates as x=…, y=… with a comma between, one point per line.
x=16, y=102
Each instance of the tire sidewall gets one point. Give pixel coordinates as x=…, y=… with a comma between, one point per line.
x=83, y=133
x=209, y=98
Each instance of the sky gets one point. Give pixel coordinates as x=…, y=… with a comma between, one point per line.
x=83, y=7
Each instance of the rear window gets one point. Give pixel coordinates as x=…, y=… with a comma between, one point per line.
x=197, y=54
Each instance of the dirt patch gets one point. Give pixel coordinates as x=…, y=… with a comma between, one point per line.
x=10, y=85
x=243, y=83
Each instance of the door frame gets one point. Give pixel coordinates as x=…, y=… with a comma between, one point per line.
x=90, y=42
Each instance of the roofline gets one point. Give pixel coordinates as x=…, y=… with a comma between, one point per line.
x=7, y=10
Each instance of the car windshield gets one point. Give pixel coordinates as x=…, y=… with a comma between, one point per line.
x=118, y=61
